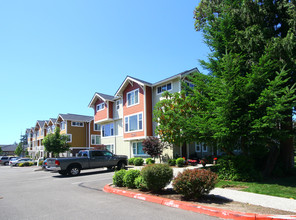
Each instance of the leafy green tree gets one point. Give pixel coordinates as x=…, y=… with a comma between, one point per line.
x=253, y=52
x=247, y=99
x=1, y=151
x=56, y=143
x=19, y=149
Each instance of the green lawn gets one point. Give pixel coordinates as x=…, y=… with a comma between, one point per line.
x=282, y=187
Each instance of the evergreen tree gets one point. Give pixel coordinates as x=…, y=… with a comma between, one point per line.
x=253, y=47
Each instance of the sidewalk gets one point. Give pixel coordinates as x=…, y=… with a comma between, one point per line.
x=247, y=197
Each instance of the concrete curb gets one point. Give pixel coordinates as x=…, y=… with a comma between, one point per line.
x=216, y=212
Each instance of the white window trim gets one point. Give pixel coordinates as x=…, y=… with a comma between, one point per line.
x=110, y=131
x=137, y=152
x=117, y=104
x=95, y=139
x=133, y=91
x=77, y=125
x=95, y=127
x=113, y=147
x=163, y=85
x=101, y=108
x=201, y=149
x=137, y=122
x=69, y=135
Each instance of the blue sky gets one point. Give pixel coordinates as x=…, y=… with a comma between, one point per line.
x=56, y=54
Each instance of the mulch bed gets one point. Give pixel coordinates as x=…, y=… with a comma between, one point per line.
x=215, y=201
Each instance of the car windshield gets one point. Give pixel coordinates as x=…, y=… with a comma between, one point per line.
x=13, y=159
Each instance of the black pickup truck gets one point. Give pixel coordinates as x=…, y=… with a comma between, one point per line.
x=86, y=159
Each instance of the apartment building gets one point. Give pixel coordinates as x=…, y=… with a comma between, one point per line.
x=81, y=131
x=126, y=118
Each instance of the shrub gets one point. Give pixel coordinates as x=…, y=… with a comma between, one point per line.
x=40, y=162
x=140, y=183
x=150, y=161
x=194, y=183
x=20, y=164
x=129, y=178
x=180, y=162
x=138, y=161
x=172, y=162
x=238, y=168
x=118, y=178
x=157, y=176
x=131, y=161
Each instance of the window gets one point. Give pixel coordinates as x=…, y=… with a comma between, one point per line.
x=201, y=147
x=110, y=147
x=97, y=127
x=132, y=97
x=77, y=124
x=100, y=106
x=117, y=104
x=190, y=84
x=69, y=138
x=95, y=139
x=108, y=130
x=138, y=148
x=133, y=122
x=52, y=128
x=166, y=87
x=62, y=125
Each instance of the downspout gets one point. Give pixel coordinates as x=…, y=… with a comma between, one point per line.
x=89, y=135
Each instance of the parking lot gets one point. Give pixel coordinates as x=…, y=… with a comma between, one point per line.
x=29, y=194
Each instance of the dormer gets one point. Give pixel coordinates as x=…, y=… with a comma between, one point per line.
x=103, y=107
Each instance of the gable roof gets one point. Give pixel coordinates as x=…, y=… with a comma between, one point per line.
x=52, y=120
x=10, y=147
x=40, y=123
x=127, y=80
x=179, y=75
x=102, y=96
x=74, y=117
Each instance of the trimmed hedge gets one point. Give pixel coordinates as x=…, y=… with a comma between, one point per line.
x=172, y=162
x=138, y=161
x=157, y=176
x=129, y=178
x=150, y=161
x=194, y=183
x=131, y=161
x=118, y=178
x=180, y=162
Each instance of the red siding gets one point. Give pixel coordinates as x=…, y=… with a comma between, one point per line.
x=100, y=115
x=133, y=109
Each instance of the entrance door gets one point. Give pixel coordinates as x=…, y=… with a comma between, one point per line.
x=184, y=150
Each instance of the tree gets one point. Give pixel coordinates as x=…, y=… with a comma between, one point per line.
x=56, y=143
x=1, y=151
x=19, y=149
x=153, y=146
x=253, y=53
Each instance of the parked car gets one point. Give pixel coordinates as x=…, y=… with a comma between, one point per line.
x=12, y=161
x=87, y=159
x=22, y=160
x=44, y=164
x=4, y=160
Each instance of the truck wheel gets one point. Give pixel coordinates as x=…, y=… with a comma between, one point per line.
x=64, y=173
x=120, y=165
x=74, y=170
